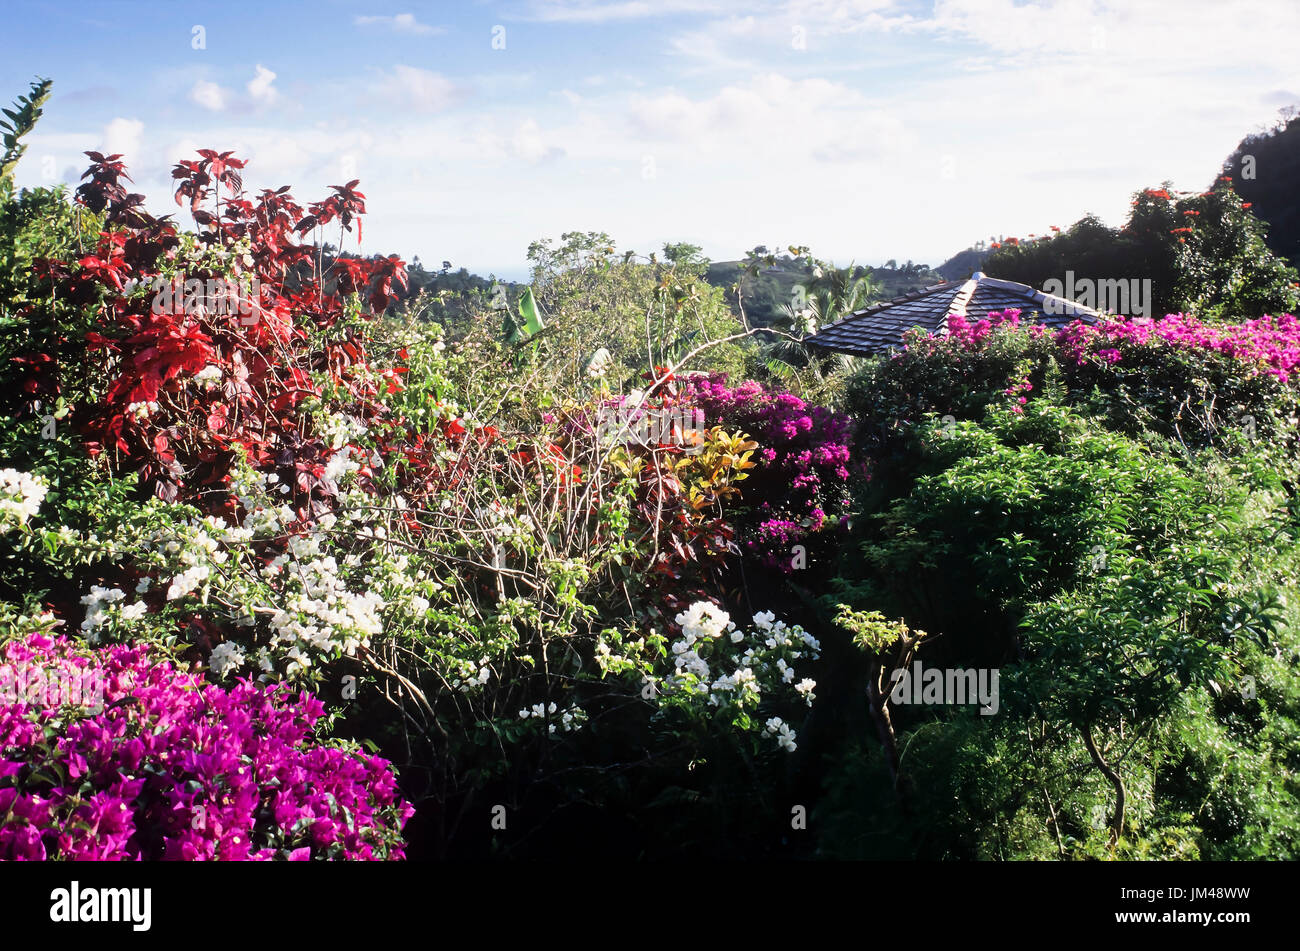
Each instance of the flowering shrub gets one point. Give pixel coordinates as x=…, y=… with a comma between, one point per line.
x=800, y=485
x=722, y=673
x=1199, y=384
x=970, y=334
x=271, y=594
x=287, y=492
x=172, y=768
x=1266, y=345
x=209, y=342
x=21, y=495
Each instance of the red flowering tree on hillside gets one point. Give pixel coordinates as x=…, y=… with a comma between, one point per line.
x=213, y=339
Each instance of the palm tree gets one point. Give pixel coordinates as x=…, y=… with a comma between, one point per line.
x=834, y=292
x=831, y=294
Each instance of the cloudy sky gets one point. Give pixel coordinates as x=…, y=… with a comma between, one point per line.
x=865, y=129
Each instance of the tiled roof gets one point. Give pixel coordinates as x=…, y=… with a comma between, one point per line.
x=880, y=327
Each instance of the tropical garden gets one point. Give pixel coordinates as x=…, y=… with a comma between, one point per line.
x=298, y=562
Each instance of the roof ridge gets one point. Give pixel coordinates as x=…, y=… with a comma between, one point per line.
x=961, y=300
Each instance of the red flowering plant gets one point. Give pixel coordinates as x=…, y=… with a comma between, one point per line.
x=229, y=372
x=210, y=341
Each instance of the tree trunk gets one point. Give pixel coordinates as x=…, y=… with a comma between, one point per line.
x=879, y=703
x=1117, y=820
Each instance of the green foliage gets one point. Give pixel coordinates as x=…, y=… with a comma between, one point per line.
x=644, y=312
x=1110, y=581
x=521, y=611
x=1203, y=254
x=1264, y=168
x=687, y=258
x=824, y=295
x=21, y=119
x=454, y=299
x=37, y=225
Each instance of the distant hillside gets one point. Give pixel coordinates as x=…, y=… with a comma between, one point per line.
x=766, y=294
x=903, y=279
x=1265, y=171
x=962, y=264
x=451, y=297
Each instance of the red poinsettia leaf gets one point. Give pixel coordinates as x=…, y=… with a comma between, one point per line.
x=217, y=417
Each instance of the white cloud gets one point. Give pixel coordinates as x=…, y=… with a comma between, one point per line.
x=529, y=144
x=209, y=95
x=260, y=88
x=419, y=89
x=1041, y=110
x=1052, y=27
x=708, y=45
x=1199, y=37
x=602, y=11
x=846, y=16
x=400, y=23
x=123, y=136
x=813, y=118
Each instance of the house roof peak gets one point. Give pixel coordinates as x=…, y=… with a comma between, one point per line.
x=880, y=327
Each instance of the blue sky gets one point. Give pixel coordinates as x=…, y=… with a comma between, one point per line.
x=865, y=129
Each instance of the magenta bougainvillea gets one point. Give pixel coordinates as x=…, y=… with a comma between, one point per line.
x=166, y=766
x=1270, y=344
x=800, y=487
x=973, y=334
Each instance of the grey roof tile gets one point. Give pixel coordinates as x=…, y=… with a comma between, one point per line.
x=880, y=327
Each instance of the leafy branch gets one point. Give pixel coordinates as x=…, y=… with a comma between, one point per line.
x=21, y=122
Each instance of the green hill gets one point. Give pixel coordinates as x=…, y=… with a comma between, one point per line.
x=766, y=293
x=1265, y=169
x=963, y=264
